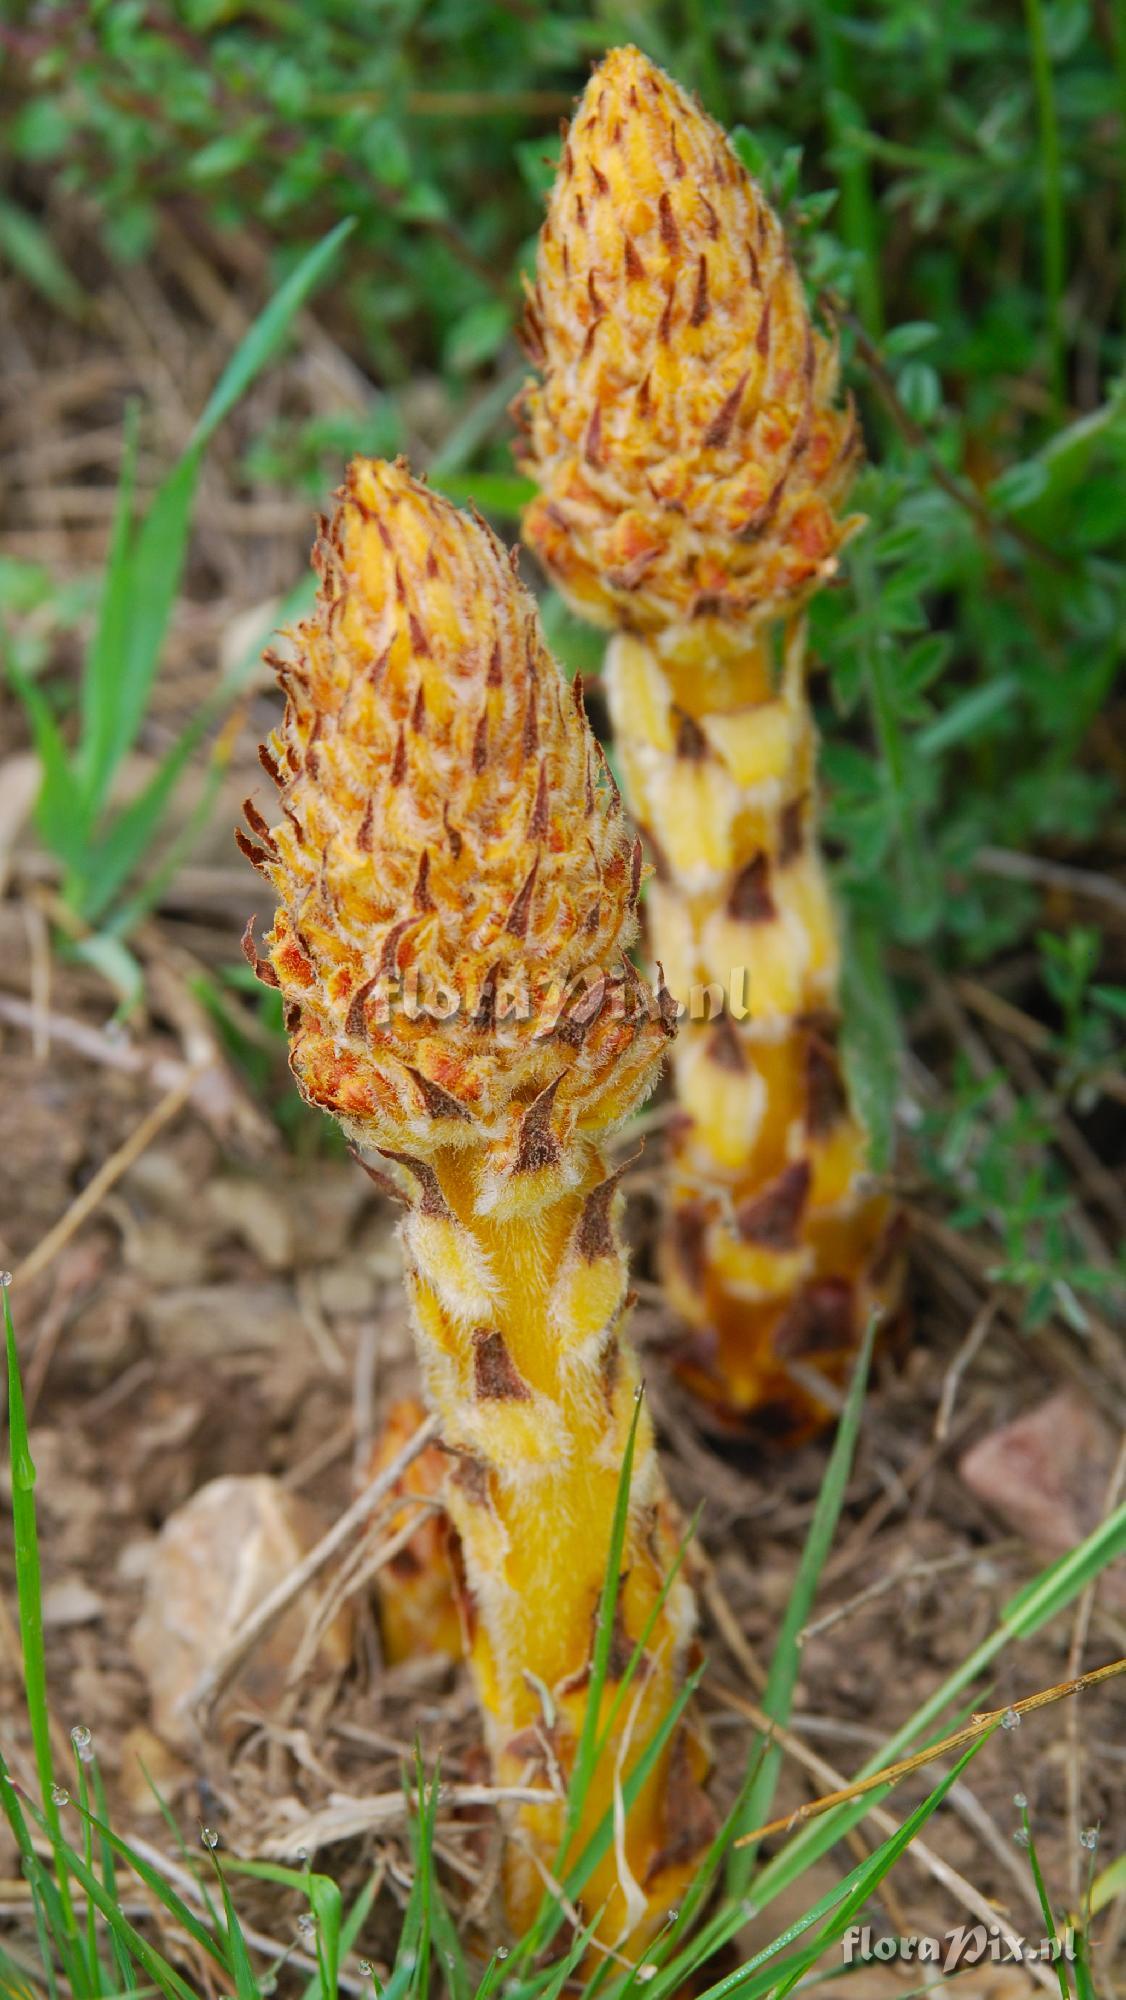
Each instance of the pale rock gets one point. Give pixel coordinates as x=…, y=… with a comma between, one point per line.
x=215, y=1559
x=71, y=1602
x=1046, y=1475
x=165, y=1253
x=257, y=1213
x=207, y=1320
x=346, y=1288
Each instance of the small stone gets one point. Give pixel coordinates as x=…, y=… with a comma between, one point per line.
x=202, y=1321
x=257, y=1213
x=71, y=1602
x=215, y=1559
x=1046, y=1475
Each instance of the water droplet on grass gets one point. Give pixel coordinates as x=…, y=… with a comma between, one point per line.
x=1010, y=1719
x=502, y=1952
x=366, y=1967
x=1021, y=1836
x=209, y=1837
x=5, y=1277
x=1089, y=1837
x=645, y=1973
x=1019, y=1801
x=83, y=1741
x=60, y=1795
x=307, y=1923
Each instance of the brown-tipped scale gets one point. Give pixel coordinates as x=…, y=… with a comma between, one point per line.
x=457, y=894
x=694, y=461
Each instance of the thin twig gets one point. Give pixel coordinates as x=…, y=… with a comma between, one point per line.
x=892, y=1773
x=108, y=1174
x=951, y=1381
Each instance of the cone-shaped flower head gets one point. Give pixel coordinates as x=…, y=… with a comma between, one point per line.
x=684, y=435
x=452, y=859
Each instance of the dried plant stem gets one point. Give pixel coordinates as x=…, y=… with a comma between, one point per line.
x=980, y=1724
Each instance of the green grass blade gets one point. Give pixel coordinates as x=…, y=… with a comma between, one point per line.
x=93, y=1961
x=59, y=814
x=25, y=1537
x=119, y=851
x=30, y=251
x=680, y=1966
x=50, y=1915
x=98, y=693
x=327, y=1907
x=598, y=1844
x=785, y=1665
x=351, y=1927
x=238, y=1958
x=412, y=1959
x=1055, y=249
x=621, y=1693
x=161, y=1888
x=163, y=1975
x=268, y=332
x=586, y=1757
x=109, y=1870
x=548, y=1916
x=1046, y=1911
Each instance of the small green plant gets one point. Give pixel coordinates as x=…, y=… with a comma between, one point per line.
x=103, y=847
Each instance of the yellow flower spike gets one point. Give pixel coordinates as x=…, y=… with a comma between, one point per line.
x=693, y=463
x=457, y=894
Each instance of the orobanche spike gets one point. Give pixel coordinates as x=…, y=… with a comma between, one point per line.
x=693, y=463
x=457, y=891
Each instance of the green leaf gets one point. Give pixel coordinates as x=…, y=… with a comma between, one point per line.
x=966, y=718
x=909, y=337
x=29, y=250
x=246, y=1986
x=59, y=813
x=268, y=332
x=100, y=688
x=478, y=335
x=871, y=1040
